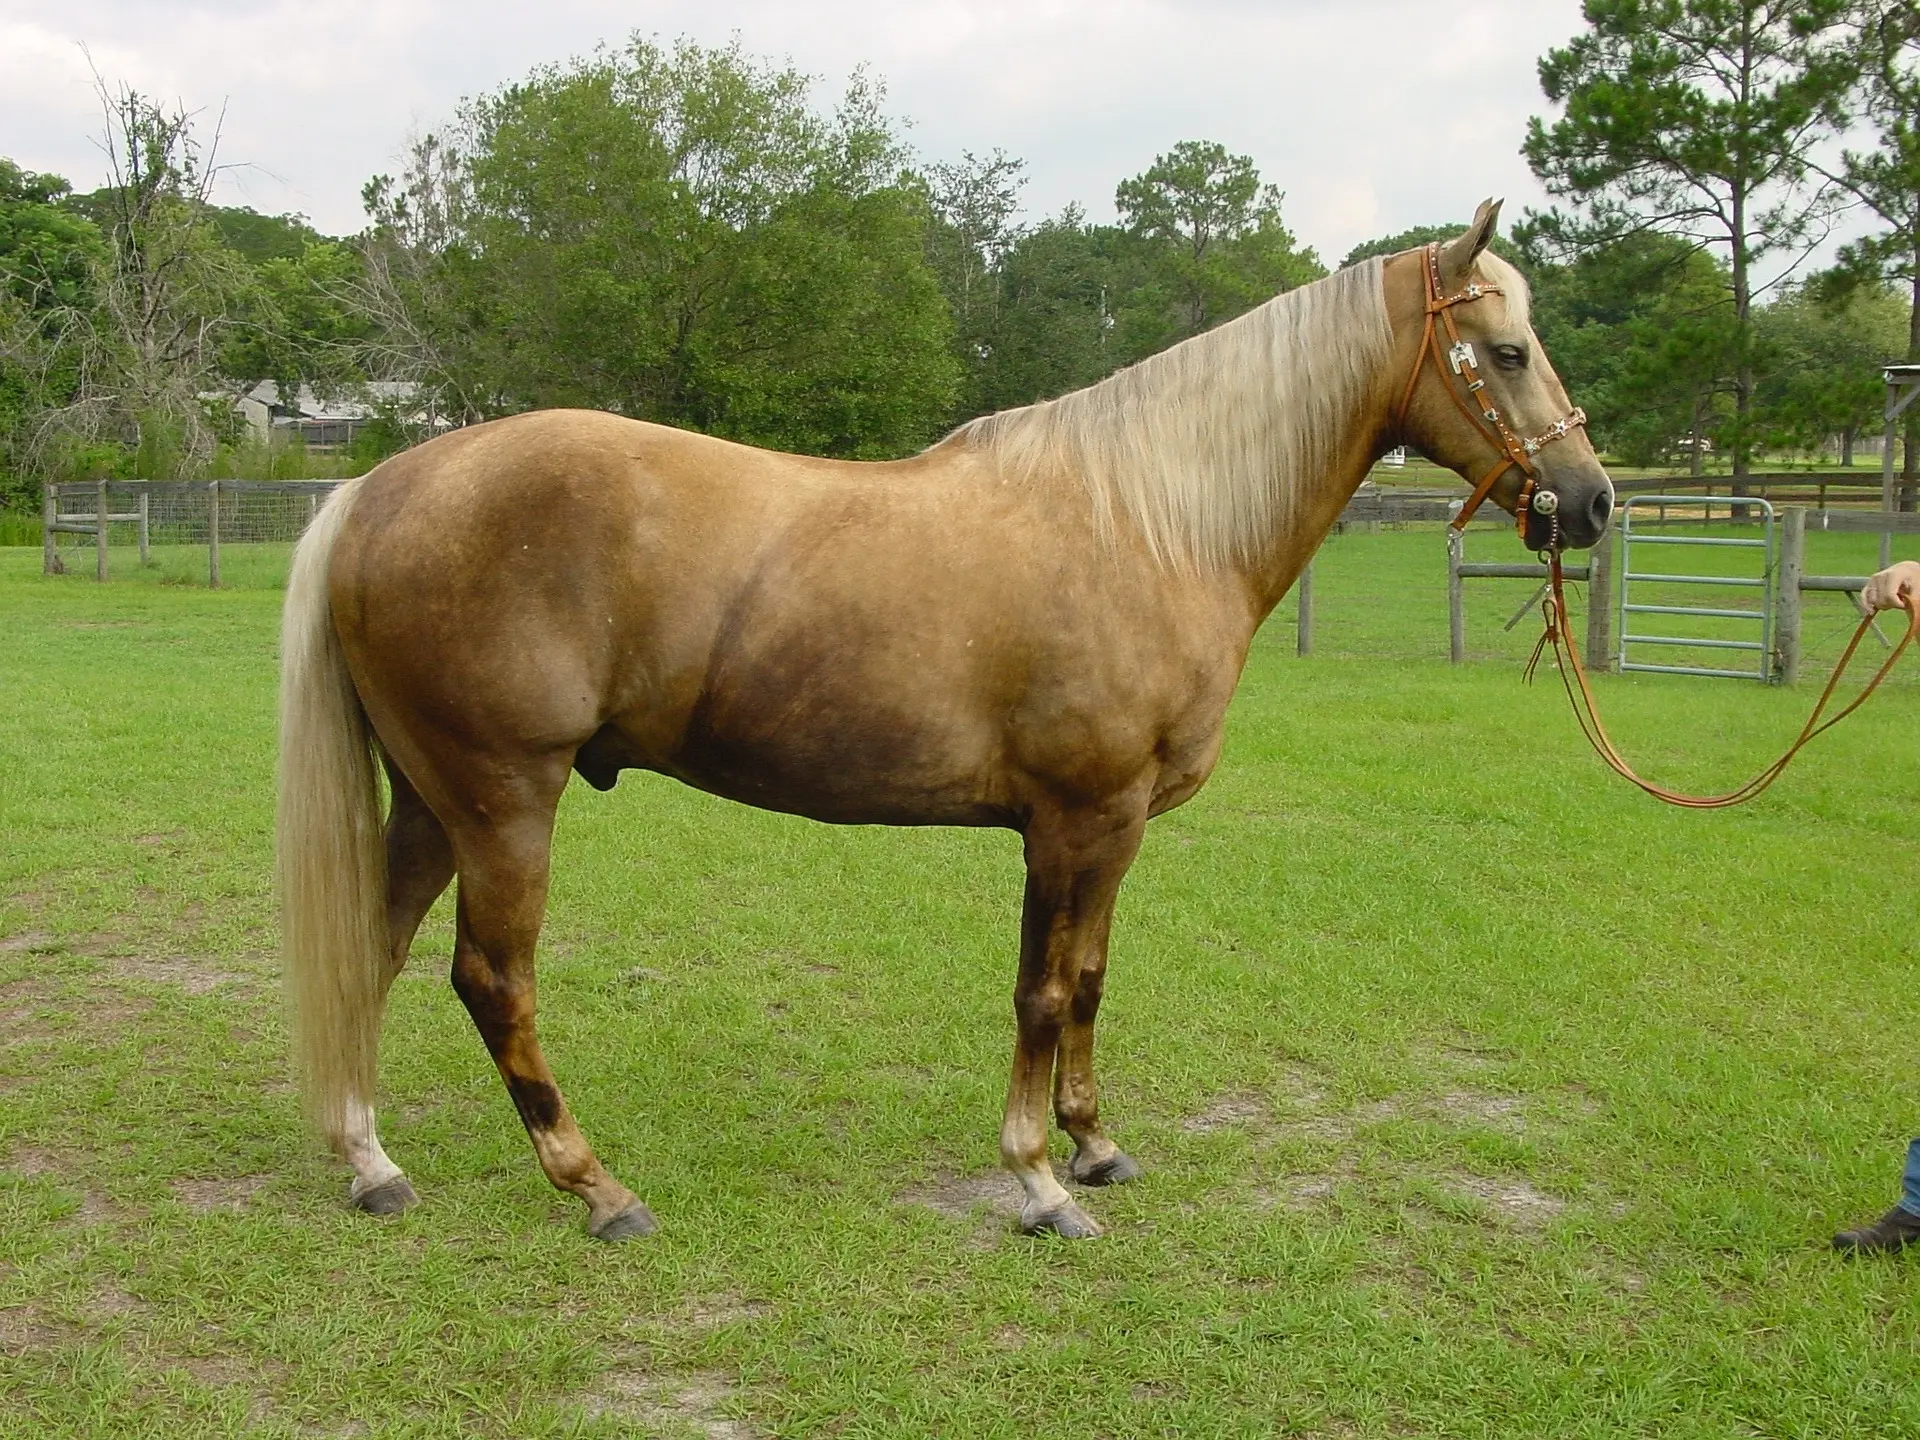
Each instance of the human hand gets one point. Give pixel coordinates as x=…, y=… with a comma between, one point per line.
x=1893, y=588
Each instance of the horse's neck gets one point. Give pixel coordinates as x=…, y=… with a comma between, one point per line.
x=1268, y=576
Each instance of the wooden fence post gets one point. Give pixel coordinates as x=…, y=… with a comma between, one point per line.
x=213, y=535
x=146, y=557
x=1303, y=627
x=100, y=531
x=49, y=541
x=1600, y=604
x=1456, y=598
x=1786, y=611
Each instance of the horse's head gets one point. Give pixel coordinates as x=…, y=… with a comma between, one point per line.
x=1481, y=397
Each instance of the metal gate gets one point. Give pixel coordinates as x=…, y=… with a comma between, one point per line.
x=1631, y=572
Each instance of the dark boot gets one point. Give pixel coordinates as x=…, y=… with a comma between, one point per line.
x=1894, y=1230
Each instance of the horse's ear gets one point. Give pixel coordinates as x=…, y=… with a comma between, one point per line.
x=1457, y=256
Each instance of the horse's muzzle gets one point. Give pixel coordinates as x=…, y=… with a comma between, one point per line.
x=1569, y=516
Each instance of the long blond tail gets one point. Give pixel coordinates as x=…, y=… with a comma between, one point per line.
x=332, y=863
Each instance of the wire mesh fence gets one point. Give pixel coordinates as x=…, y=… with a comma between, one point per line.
x=213, y=519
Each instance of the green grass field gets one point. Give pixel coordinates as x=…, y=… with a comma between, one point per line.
x=1479, y=1095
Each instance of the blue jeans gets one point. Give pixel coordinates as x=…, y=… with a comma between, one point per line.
x=1910, y=1180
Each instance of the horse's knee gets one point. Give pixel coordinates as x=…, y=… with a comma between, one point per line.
x=1045, y=1007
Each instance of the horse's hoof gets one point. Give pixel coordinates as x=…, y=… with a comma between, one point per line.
x=1117, y=1169
x=1067, y=1220
x=627, y=1224
x=389, y=1197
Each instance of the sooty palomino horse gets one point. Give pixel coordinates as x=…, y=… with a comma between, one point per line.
x=1037, y=624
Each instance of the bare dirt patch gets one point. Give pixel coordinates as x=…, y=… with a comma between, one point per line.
x=1505, y=1112
x=1294, y=1089
x=716, y=1311
x=194, y=976
x=1512, y=1199
x=31, y=901
x=1345, y=1125
x=109, y=1302
x=23, y=1328
x=1302, y=1192
x=35, y=1010
x=26, y=941
x=208, y=1196
x=231, y=1373
x=1230, y=1111
x=963, y=1197
x=32, y=1160
x=671, y=1404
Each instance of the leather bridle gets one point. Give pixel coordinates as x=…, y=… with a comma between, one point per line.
x=1516, y=453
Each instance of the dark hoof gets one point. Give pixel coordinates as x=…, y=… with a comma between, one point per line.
x=627, y=1224
x=1068, y=1221
x=1117, y=1169
x=387, y=1198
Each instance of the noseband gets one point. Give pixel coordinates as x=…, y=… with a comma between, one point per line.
x=1515, y=453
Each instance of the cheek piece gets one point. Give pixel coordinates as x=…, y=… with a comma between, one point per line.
x=1459, y=359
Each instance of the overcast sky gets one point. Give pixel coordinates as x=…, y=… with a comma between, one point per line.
x=1372, y=115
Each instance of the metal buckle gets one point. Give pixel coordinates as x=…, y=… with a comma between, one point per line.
x=1462, y=354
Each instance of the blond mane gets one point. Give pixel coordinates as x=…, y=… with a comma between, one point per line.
x=1209, y=447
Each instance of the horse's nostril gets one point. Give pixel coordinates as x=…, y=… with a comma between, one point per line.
x=1602, y=509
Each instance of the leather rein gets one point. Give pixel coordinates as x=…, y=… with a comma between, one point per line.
x=1573, y=673
x=1517, y=453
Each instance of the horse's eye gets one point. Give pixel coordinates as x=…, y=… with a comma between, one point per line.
x=1509, y=357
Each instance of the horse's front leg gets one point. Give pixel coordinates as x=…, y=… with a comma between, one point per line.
x=1075, y=861
x=1096, y=1159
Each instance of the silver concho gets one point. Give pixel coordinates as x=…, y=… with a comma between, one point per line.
x=1545, y=502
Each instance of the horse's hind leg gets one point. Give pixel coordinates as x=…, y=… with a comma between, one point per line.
x=419, y=865
x=501, y=845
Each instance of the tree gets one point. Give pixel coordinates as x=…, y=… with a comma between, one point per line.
x=1885, y=180
x=972, y=230
x=166, y=297
x=1640, y=329
x=1824, y=356
x=676, y=236
x=1056, y=328
x=49, y=257
x=299, y=324
x=1215, y=234
x=259, y=238
x=1696, y=118
x=143, y=334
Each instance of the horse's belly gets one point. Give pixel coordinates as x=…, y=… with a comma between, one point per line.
x=861, y=768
